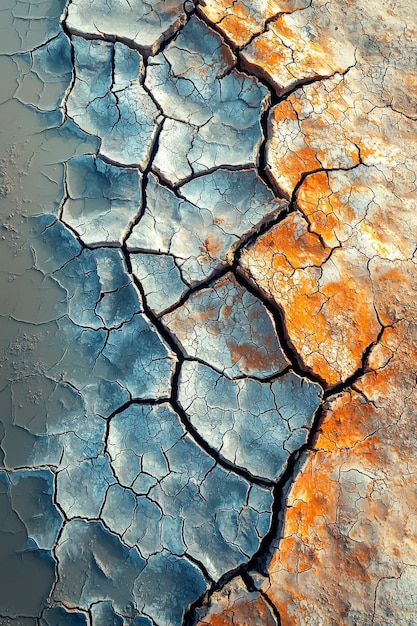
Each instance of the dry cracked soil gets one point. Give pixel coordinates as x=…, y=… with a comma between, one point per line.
x=208, y=313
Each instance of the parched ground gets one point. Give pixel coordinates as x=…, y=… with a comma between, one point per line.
x=230, y=436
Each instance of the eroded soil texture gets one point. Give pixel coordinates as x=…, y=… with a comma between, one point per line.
x=221, y=429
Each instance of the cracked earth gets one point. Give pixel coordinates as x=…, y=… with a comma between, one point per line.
x=231, y=389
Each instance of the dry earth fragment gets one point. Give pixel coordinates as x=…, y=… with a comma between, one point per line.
x=240, y=21
x=325, y=296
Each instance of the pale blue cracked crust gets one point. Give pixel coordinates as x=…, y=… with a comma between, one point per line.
x=165, y=437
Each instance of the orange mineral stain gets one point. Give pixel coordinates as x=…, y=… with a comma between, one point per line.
x=348, y=512
x=326, y=297
x=240, y=21
x=342, y=271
